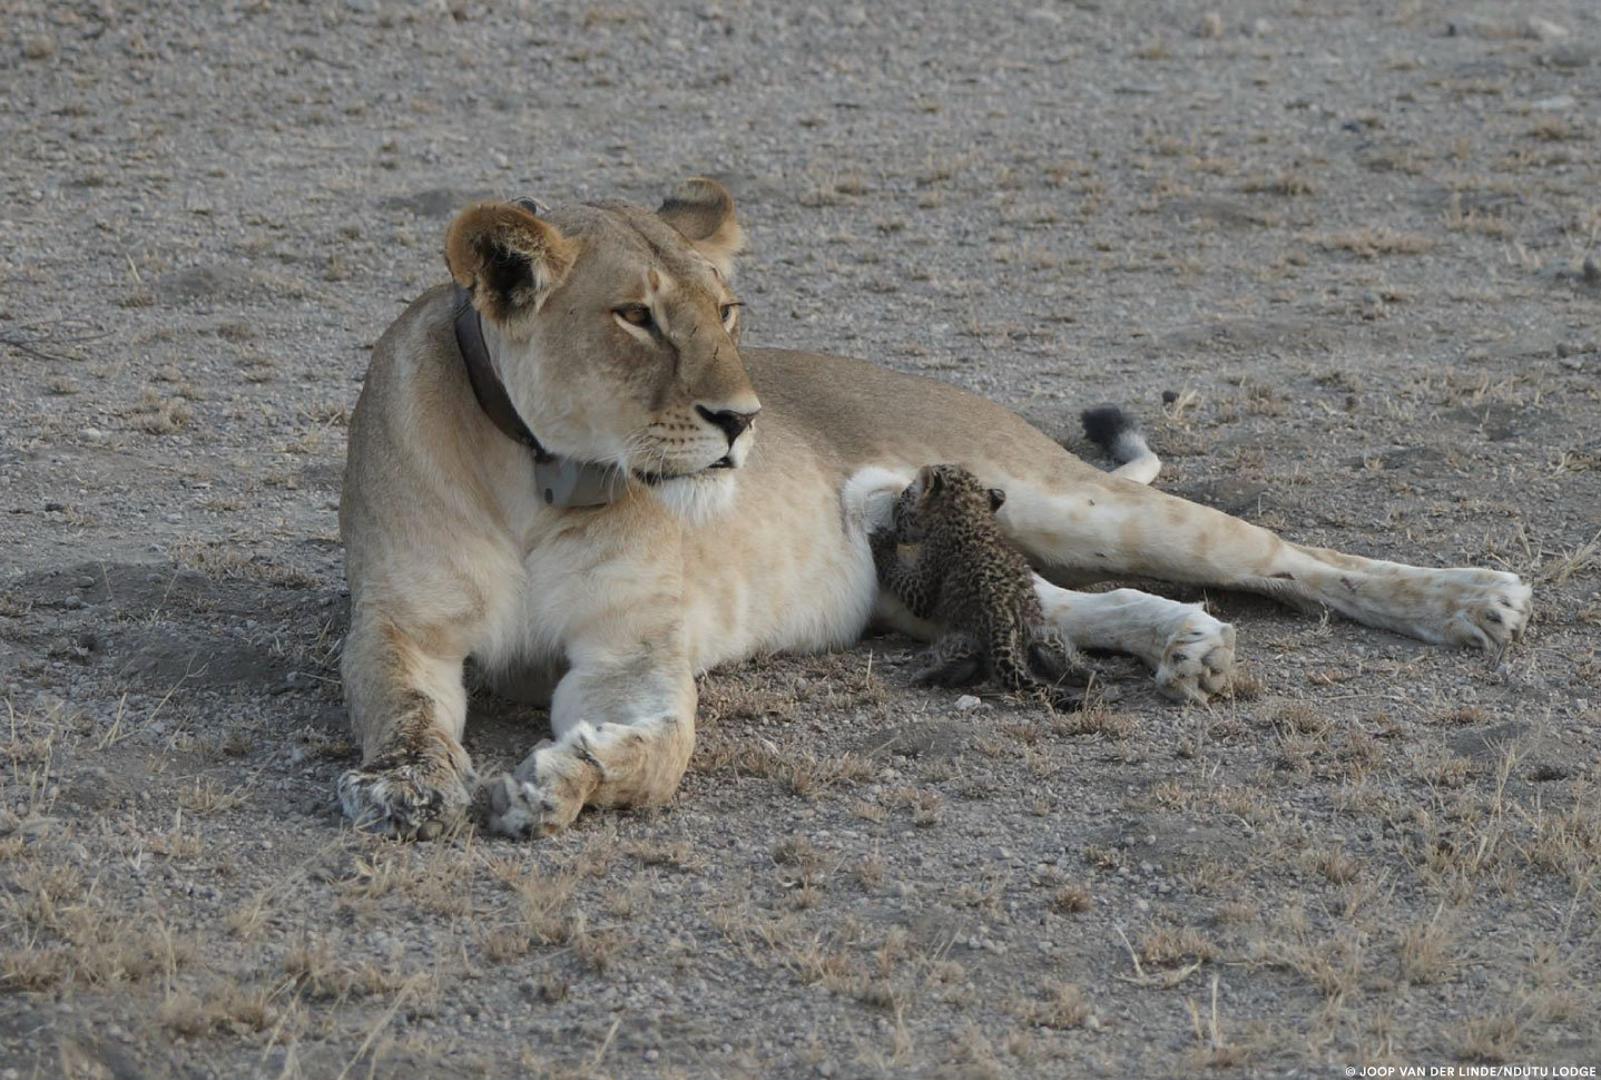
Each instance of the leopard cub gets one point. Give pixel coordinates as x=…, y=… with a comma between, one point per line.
x=944, y=557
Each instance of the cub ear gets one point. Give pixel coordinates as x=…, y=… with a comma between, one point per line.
x=507, y=257
x=997, y=499
x=703, y=211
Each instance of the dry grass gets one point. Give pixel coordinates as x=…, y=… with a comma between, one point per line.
x=1061, y=1006
x=1072, y=900
x=157, y=415
x=1424, y=950
x=1373, y=241
x=1288, y=183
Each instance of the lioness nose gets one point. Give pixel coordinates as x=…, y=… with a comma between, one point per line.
x=733, y=423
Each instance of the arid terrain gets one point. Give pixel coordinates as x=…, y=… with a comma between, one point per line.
x=1340, y=257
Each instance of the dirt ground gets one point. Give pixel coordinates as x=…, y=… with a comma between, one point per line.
x=1333, y=254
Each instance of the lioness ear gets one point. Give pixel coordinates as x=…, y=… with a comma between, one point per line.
x=507, y=257
x=703, y=211
x=997, y=499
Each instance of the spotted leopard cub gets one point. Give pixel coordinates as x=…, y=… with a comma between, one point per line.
x=961, y=574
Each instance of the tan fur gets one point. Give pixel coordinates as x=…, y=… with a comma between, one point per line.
x=703, y=211
x=486, y=235
x=608, y=613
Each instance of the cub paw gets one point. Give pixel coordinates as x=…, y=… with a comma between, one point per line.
x=1198, y=660
x=542, y=797
x=410, y=795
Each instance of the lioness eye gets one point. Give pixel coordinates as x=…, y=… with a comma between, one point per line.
x=634, y=315
x=728, y=310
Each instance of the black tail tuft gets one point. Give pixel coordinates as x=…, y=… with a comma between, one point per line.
x=1105, y=424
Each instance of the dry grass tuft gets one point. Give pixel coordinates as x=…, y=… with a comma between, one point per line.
x=1061, y=1007
x=1425, y=951
x=156, y=415
x=1072, y=900
x=1096, y=719
x=224, y=1008
x=1371, y=242
x=1338, y=867
x=1287, y=183
x=1171, y=946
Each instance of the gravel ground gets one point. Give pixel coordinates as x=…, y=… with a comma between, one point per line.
x=1341, y=258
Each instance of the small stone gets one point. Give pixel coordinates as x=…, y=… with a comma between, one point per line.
x=1592, y=272
x=1211, y=26
x=94, y=435
x=967, y=703
x=40, y=47
x=1559, y=103
x=1544, y=29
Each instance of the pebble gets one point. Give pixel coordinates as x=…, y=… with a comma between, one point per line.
x=1555, y=104
x=967, y=702
x=1211, y=25
x=93, y=434
x=41, y=47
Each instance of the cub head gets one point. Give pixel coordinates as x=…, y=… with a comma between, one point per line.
x=616, y=332
x=943, y=495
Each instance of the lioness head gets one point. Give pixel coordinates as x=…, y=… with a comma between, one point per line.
x=616, y=331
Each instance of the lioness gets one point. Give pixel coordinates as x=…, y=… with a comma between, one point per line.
x=745, y=484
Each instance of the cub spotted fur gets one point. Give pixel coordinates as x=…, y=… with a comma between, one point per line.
x=971, y=583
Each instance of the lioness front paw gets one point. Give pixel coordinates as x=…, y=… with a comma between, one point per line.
x=542, y=797
x=1198, y=660
x=1485, y=609
x=406, y=795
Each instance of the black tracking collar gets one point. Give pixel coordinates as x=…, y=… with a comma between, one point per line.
x=562, y=482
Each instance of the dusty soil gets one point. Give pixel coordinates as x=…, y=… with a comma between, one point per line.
x=1332, y=253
